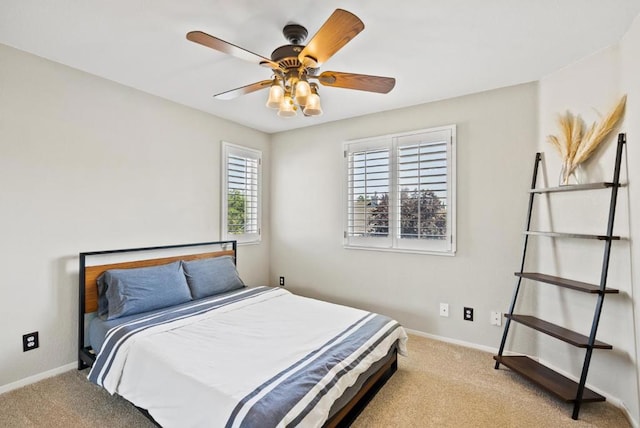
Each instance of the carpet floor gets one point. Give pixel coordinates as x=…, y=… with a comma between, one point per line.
x=438, y=385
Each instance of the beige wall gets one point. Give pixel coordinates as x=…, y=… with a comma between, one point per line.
x=87, y=164
x=630, y=84
x=593, y=85
x=496, y=134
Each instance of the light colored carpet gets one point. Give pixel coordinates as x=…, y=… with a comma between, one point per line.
x=438, y=385
x=445, y=385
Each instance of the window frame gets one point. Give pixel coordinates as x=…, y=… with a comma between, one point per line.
x=229, y=149
x=393, y=242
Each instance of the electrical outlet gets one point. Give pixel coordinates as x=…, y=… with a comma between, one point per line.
x=282, y=281
x=496, y=318
x=30, y=341
x=444, y=309
x=468, y=314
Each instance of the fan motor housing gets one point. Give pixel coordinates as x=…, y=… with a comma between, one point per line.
x=287, y=56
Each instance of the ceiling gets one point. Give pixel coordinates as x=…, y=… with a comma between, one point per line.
x=435, y=49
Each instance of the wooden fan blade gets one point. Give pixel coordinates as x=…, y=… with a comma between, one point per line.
x=361, y=82
x=229, y=48
x=337, y=31
x=234, y=93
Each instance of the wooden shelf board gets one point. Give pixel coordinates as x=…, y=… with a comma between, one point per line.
x=560, y=386
x=574, y=187
x=553, y=330
x=566, y=283
x=571, y=235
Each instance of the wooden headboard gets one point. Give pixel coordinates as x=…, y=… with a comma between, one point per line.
x=88, y=288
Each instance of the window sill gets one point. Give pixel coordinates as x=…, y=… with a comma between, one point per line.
x=402, y=250
x=242, y=244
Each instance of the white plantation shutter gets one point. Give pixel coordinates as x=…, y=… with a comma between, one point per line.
x=368, y=174
x=242, y=180
x=422, y=168
x=423, y=189
x=402, y=188
x=241, y=177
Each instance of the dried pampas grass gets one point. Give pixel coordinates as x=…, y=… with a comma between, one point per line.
x=575, y=144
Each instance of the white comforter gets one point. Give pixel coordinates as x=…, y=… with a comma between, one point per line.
x=232, y=365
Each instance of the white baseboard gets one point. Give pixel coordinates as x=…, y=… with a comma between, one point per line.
x=453, y=341
x=37, y=377
x=613, y=400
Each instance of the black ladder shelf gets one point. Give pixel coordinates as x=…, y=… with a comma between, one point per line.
x=555, y=383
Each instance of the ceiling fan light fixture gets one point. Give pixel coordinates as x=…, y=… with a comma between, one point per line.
x=276, y=95
x=303, y=90
x=287, y=108
x=293, y=65
x=313, y=107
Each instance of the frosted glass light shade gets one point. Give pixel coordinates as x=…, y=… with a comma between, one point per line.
x=287, y=109
x=313, y=108
x=275, y=96
x=303, y=90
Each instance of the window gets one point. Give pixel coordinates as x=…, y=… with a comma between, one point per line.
x=401, y=192
x=241, y=181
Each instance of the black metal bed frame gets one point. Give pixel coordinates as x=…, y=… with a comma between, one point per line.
x=86, y=357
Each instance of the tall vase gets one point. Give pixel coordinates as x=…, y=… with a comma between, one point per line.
x=571, y=174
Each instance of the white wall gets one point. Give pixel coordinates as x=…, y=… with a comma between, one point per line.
x=87, y=164
x=593, y=85
x=496, y=134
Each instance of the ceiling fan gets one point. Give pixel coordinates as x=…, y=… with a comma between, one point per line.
x=296, y=66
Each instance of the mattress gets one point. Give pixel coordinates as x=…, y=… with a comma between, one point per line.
x=98, y=327
x=256, y=357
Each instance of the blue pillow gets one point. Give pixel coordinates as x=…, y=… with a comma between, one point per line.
x=211, y=276
x=133, y=291
x=103, y=303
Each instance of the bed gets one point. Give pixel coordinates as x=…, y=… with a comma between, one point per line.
x=193, y=346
